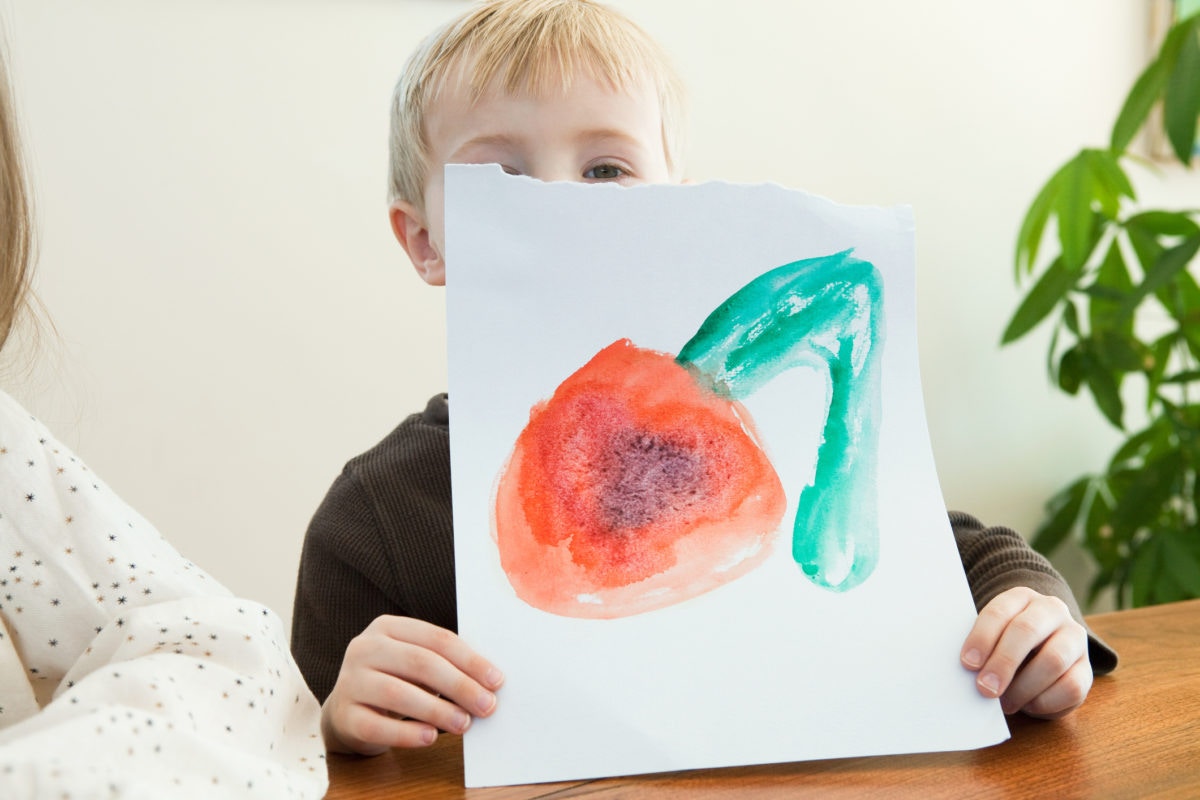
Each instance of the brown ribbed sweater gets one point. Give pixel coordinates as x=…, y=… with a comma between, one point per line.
x=382, y=543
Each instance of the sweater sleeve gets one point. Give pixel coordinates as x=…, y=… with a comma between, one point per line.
x=345, y=581
x=381, y=542
x=997, y=559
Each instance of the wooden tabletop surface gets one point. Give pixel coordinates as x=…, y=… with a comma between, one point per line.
x=1137, y=736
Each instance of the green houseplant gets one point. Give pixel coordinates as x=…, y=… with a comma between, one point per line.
x=1116, y=281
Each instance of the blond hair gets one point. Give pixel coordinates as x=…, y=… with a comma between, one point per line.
x=16, y=225
x=525, y=45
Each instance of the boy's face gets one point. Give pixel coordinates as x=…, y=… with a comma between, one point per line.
x=589, y=134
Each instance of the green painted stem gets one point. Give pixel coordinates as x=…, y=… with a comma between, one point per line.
x=824, y=312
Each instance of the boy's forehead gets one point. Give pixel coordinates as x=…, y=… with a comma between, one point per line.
x=460, y=103
x=471, y=77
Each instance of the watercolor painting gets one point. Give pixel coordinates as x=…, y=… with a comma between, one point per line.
x=695, y=500
x=642, y=481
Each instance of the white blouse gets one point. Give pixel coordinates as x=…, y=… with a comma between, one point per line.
x=125, y=670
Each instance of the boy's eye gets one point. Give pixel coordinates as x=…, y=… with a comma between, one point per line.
x=510, y=170
x=604, y=172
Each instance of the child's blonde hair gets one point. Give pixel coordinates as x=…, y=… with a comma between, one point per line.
x=526, y=45
x=16, y=228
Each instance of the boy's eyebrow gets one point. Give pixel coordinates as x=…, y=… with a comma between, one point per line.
x=597, y=134
x=487, y=140
x=507, y=140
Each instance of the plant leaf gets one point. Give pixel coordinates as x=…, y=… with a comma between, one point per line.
x=1160, y=353
x=1070, y=317
x=1181, y=296
x=1181, y=562
x=1119, y=353
x=1109, y=181
x=1165, y=223
x=1106, y=389
x=1171, y=262
x=1070, y=370
x=1148, y=492
x=1034, y=225
x=1073, y=210
x=1064, y=511
x=1051, y=351
x=1141, y=446
x=1187, y=376
x=1145, y=568
x=1099, y=536
x=1149, y=87
x=1112, y=285
x=1189, y=298
x=1192, y=336
x=1141, y=98
x=1144, y=242
x=1045, y=295
x=1181, y=101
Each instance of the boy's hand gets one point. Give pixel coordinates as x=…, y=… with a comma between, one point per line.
x=1029, y=652
x=401, y=681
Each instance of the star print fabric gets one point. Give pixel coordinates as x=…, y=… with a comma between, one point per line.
x=126, y=670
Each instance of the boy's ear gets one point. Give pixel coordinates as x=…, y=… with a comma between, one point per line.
x=412, y=232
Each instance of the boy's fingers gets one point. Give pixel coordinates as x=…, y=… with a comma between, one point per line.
x=391, y=695
x=1065, y=695
x=369, y=731
x=402, y=680
x=416, y=662
x=1024, y=632
x=443, y=642
x=990, y=624
x=1058, y=657
x=429, y=669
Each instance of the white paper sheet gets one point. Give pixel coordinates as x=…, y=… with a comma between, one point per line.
x=769, y=666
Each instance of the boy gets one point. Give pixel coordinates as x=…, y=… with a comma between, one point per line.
x=557, y=90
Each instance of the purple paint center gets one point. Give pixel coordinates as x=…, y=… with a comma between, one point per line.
x=644, y=477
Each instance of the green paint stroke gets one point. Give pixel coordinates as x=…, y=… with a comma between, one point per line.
x=827, y=313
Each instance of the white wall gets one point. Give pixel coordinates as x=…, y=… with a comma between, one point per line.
x=235, y=321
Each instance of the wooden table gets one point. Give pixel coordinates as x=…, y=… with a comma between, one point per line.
x=1137, y=736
